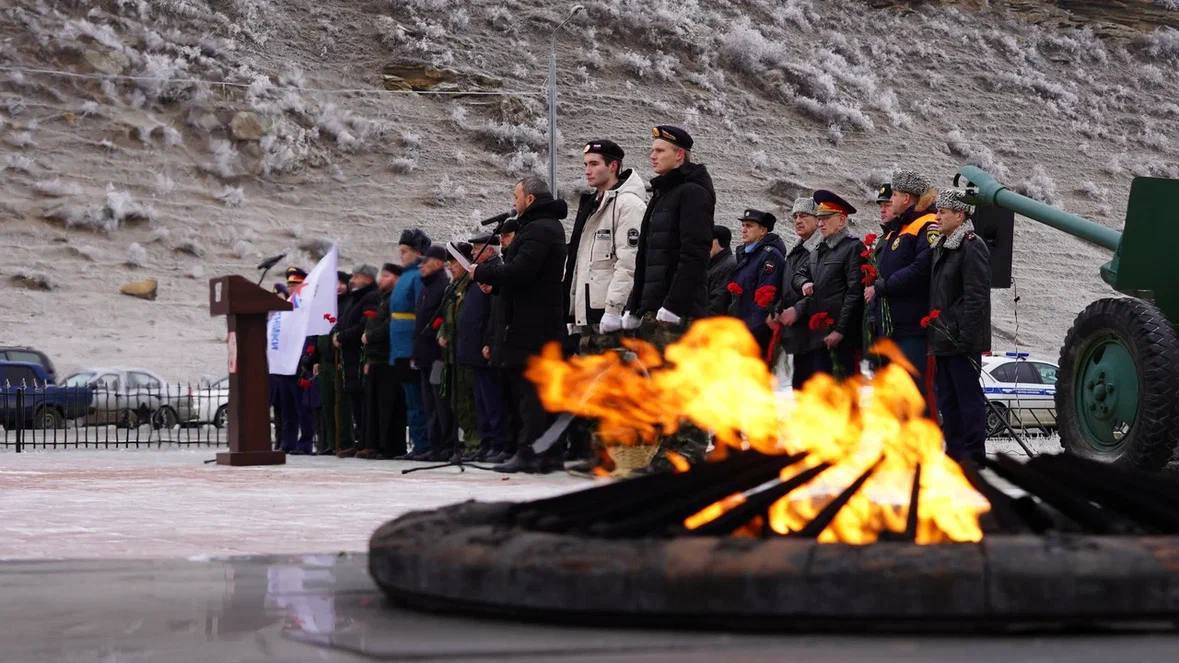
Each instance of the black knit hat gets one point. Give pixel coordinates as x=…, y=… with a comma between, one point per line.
x=723, y=236
x=437, y=251
x=392, y=269
x=343, y=277
x=509, y=226
x=464, y=249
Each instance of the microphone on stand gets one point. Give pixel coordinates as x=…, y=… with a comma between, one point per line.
x=497, y=219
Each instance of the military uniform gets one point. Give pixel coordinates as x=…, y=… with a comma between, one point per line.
x=458, y=381
x=756, y=279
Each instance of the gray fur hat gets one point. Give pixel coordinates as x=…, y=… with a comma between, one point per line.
x=366, y=270
x=909, y=181
x=804, y=205
x=953, y=199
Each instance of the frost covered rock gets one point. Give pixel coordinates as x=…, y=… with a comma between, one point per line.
x=247, y=126
x=191, y=248
x=136, y=255
x=106, y=61
x=143, y=289
x=32, y=281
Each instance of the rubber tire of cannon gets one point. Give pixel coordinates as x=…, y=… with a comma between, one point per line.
x=1142, y=329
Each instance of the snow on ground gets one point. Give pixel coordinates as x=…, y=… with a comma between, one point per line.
x=167, y=503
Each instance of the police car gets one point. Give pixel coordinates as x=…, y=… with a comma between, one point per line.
x=1021, y=389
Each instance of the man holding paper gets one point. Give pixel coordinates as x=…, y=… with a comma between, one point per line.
x=529, y=280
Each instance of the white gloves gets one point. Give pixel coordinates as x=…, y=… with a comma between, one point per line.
x=610, y=322
x=570, y=328
x=665, y=315
x=629, y=321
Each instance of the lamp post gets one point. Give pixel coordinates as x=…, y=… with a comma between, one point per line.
x=552, y=93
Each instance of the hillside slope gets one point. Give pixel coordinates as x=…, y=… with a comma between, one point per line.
x=187, y=138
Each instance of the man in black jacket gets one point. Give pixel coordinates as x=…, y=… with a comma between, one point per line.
x=721, y=263
x=832, y=304
x=755, y=282
x=959, y=326
x=362, y=294
x=530, y=282
x=794, y=338
x=427, y=358
x=473, y=323
x=383, y=431
x=671, y=270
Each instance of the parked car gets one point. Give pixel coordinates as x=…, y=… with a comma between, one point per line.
x=21, y=353
x=128, y=397
x=1022, y=390
x=39, y=403
x=210, y=403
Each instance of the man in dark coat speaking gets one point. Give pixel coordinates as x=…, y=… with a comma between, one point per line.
x=529, y=280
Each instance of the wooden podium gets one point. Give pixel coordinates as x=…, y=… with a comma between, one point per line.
x=246, y=307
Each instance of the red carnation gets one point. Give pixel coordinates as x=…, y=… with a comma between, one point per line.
x=870, y=239
x=304, y=383
x=370, y=313
x=928, y=319
x=330, y=318
x=866, y=253
x=310, y=348
x=735, y=289
x=436, y=324
x=765, y=295
x=819, y=321
x=869, y=274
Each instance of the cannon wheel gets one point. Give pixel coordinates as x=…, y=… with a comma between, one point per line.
x=1115, y=396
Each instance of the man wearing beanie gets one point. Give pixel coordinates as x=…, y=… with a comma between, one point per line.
x=960, y=330
x=806, y=226
x=671, y=269
x=427, y=358
x=721, y=264
x=402, y=318
x=362, y=294
x=529, y=281
x=756, y=281
x=900, y=296
x=383, y=431
x=600, y=267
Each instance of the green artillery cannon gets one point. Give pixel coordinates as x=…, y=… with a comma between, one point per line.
x=1117, y=395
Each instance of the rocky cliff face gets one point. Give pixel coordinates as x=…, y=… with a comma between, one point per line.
x=182, y=139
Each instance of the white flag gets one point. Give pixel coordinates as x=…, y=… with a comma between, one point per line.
x=314, y=313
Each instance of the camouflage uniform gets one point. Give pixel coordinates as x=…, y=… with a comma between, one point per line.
x=456, y=377
x=335, y=429
x=689, y=441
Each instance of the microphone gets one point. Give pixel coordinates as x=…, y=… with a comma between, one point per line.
x=497, y=219
x=271, y=262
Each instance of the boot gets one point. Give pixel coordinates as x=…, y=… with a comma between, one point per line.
x=347, y=453
x=524, y=461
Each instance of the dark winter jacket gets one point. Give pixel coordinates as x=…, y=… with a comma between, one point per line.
x=834, y=268
x=903, y=257
x=425, y=341
x=960, y=289
x=794, y=339
x=530, y=282
x=497, y=321
x=376, y=330
x=671, y=270
x=720, y=270
x=756, y=281
x=350, y=327
x=473, y=318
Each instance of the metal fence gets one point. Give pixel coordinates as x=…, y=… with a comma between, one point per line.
x=48, y=416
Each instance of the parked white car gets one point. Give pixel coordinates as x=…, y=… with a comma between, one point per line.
x=1022, y=389
x=210, y=403
x=129, y=397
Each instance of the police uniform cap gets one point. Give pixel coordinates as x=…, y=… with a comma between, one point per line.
x=296, y=275
x=674, y=135
x=764, y=219
x=828, y=203
x=884, y=192
x=606, y=148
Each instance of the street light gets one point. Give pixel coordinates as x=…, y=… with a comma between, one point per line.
x=577, y=9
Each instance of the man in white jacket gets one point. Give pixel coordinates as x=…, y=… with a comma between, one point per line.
x=600, y=268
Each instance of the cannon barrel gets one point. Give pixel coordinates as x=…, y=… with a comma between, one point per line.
x=987, y=190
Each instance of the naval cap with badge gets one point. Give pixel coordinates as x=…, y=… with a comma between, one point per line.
x=674, y=135
x=607, y=148
x=828, y=203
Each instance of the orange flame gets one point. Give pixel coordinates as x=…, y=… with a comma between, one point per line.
x=714, y=378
